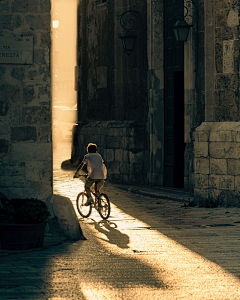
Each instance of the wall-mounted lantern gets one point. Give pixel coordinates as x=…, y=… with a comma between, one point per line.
x=128, y=23
x=181, y=30
x=184, y=14
x=128, y=41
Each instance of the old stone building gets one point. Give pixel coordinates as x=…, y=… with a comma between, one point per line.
x=139, y=106
x=25, y=99
x=215, y=140
x=113, y=96
x=165, y=113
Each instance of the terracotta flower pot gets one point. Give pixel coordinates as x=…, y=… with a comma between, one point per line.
x=21, y=236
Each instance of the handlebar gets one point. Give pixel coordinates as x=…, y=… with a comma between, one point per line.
x=82, y=177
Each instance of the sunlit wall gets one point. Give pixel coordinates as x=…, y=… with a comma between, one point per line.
x=63, y=64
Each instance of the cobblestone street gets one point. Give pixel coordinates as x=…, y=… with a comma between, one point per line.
x=150, y=248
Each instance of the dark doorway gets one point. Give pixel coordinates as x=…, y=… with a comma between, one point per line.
x=173, y=99
x=179, y=129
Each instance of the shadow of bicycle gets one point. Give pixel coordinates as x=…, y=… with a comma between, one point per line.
x=112, y=233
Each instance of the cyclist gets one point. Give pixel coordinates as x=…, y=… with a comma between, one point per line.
x=97, y=171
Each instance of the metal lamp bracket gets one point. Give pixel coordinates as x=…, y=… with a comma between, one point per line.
x=189, y=9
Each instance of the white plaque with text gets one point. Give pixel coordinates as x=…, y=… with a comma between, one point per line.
x=16, y=49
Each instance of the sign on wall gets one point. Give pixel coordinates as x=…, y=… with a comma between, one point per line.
x=16, y=49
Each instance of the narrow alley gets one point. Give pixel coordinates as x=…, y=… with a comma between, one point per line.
x=149, y=248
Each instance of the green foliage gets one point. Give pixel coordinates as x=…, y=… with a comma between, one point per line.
x=24, y=211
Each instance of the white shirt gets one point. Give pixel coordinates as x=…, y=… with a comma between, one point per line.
x=95, y=166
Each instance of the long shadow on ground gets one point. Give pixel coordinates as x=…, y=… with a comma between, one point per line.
x=207, y=241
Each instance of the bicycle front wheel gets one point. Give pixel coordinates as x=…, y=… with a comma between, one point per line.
x=83, y=209
x=104, y=206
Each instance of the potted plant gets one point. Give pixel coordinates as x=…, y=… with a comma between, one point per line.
x=22, y=223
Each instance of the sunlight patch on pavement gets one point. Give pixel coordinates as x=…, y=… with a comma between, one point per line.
x=100, y=292
x=158, y=258
x=186, y=273
x=69, y=188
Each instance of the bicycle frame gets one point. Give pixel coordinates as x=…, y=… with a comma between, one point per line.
x=101, y=203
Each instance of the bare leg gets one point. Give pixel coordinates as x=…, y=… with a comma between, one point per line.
x=98, y=187
x=88, y=185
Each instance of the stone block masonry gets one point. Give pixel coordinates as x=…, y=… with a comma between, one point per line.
x=25, y=103
x=122, y=144
x=217, y=163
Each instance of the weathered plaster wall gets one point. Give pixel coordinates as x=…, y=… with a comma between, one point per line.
x=155, y=91
x=25, y=104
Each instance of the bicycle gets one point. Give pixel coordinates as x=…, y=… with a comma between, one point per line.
x=100, y=203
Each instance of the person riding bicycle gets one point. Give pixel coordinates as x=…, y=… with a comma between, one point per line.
x=97, y=171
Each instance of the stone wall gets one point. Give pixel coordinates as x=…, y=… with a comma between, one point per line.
x=121, y=144
x=216, y=141
x=226, y=61
x=25, y=104
x=113, y=96
x=216, y=163
x=221, y=59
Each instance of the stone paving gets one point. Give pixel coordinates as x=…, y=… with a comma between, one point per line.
x=150, y=248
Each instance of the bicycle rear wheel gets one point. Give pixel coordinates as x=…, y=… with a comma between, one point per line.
x=104, y=206
x=83, y=209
